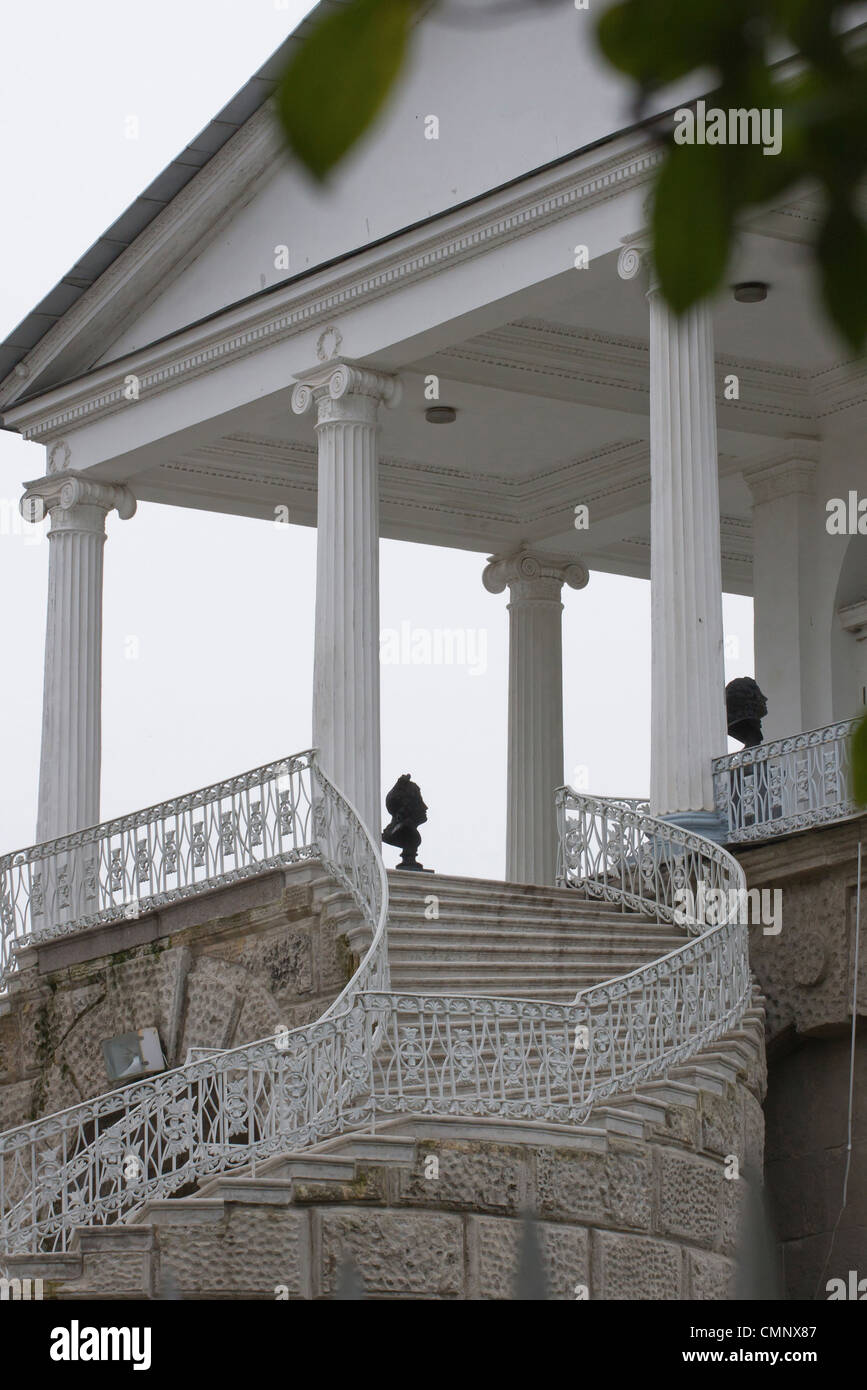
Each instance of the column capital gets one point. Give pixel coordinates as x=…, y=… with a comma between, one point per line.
x=343, y=391
x=75, y=502
x=634, y=258
x=534, y=574
x=782, y=477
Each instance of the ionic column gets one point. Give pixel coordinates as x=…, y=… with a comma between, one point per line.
x=535, y=748
x=71, y=701
x=687, y=716
x=346, y=643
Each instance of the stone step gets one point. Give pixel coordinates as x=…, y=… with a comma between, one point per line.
x=514, y=937
x=491, y=894
x=407, y=958
x=456, y=907
x=515, y=986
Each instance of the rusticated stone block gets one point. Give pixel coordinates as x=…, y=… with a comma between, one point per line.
x=497, y=1240
x=475, y=1177
x=334, y=961
x=261, y=1016
x=689, y=1198
x=133, y=988
x=722, y=1123
x=733, y=1194
x=635, y=1267
x=681, y=1124
x=711, y=1277
x=408, y=1254
x=15, y=1104
x=248, y=1254
x=214, y=991
x=111, y=1274
x=598, y=1188
x=368, y=1185
x=281, y=962
x=10, y=1058
x=754, y=1133
x=174, y=966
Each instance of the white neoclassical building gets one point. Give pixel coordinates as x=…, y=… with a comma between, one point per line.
x=240, y=341
x=459, y=342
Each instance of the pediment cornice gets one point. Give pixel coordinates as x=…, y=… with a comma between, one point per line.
x=282, y=311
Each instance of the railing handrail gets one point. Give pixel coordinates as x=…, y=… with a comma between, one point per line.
x=177, y=849
x=659, y=832
x=132, y=820
x=787, y=785
x=829, y=733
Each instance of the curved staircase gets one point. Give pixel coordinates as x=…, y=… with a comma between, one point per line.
x=537, y=1042
x=515, y=940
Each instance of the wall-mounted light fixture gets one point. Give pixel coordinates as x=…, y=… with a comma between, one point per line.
x=133, y=1054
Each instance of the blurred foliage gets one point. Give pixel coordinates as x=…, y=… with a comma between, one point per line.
x=339, y=78
x=859, y=762
x=342, y=72
x=702, y=190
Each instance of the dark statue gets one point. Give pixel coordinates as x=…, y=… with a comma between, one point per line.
x=407, y=811
x=746, y=707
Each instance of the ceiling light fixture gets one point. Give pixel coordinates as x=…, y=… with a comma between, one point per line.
x=441, y=415
x=750, y=291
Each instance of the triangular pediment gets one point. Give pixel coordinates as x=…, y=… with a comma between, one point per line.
x=477, y=108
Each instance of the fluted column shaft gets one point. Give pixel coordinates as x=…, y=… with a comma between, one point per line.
x=535, y=736
x=69, y=769
x=346, y=642
x=688, y=726
x=784, y=567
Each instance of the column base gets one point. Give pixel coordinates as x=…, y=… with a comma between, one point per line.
x=707, y=823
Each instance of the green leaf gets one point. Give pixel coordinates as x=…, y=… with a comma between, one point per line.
x=859, y=762
x=692, y=223
x=657, y=43
x=339, y=79
x=842, y=254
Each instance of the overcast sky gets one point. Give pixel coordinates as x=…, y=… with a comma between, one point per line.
x=208, y=638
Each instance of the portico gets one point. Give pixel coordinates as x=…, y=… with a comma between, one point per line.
x=571, y=387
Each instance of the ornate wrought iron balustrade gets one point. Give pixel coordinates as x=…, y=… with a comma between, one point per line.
x=612, y=849
x=786, y=785
x=121, y=868
x=381, y=1053
x=100, y=1161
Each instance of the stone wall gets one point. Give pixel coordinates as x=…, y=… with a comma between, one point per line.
x=217, y=971
x=807, y=975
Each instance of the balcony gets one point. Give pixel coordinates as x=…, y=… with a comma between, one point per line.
x=788, y=785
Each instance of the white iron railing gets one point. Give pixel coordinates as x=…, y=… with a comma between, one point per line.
x=179, y=849
x=377, y=1053
x=99, y=1161
x=615, y=851
x=786, y=785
